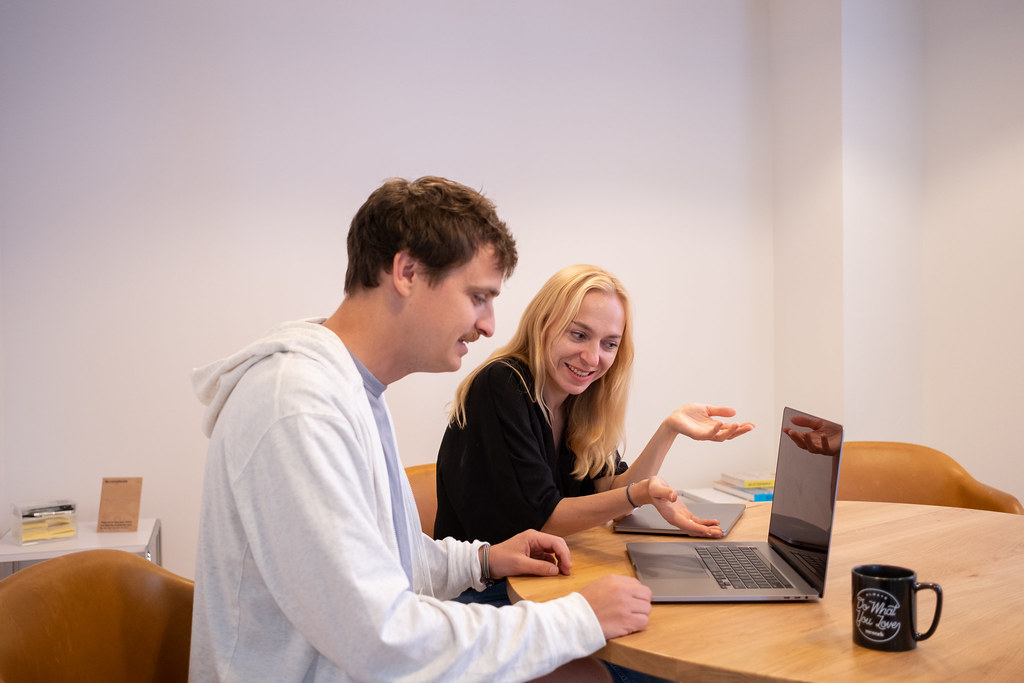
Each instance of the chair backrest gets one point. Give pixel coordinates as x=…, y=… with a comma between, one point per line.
x=95, y=615
x=896, y=472
x=423, y=479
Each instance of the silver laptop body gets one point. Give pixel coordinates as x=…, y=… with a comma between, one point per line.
x=647, y=520
x=799, y=533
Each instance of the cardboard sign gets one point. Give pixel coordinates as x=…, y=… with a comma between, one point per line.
x=119, y=504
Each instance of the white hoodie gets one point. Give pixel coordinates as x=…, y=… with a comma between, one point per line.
x=298, y=576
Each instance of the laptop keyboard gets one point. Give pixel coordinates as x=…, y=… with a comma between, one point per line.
x=740, y=567
x=813, y=562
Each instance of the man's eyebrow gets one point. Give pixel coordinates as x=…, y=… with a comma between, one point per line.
x=490, y=291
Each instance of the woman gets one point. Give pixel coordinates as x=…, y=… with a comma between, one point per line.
x=534, y=433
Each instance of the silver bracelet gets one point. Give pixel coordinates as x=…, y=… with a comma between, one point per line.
x=485, y=565
x=630, y=498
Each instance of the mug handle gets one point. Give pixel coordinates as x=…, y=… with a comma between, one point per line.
x=938, y=608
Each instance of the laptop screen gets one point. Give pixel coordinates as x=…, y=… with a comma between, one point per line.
x=807, y=473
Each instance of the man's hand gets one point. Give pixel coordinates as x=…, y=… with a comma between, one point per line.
x=621, y=603
x=531, y=552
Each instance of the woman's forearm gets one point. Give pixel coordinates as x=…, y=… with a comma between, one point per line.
x=575, y=514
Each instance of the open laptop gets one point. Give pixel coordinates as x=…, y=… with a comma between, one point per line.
x=799, y=533
x=647, y=520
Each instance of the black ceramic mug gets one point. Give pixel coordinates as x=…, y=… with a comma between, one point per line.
x=885, y=607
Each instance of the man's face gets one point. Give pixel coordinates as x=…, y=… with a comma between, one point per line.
x=454, y=312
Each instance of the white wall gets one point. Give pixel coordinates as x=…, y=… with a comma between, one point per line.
x=182, y=178
x=973, y=330
x=175, y=180
x=5, y=524
x=933, y=146
x=883, y=56
x=807, y=218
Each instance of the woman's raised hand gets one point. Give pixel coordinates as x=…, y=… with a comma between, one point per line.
x=700, y=422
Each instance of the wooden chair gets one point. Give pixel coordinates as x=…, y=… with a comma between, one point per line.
x=95, y=615
x=891, y=471
x=423, y=479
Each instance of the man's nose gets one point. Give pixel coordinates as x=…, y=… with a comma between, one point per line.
x=485, y=325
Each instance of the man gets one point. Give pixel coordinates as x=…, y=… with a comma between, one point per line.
x=311, y=565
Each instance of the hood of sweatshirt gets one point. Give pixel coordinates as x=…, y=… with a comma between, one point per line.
x=213, y=383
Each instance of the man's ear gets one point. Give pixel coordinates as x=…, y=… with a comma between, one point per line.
x=403, y=272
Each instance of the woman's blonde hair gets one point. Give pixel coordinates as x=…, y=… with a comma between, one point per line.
x=595, y=419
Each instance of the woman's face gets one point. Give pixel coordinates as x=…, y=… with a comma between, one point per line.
x=585, y=351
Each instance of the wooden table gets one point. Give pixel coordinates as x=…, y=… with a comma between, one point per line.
x=977, y=557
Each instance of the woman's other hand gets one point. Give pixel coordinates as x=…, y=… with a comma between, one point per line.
x=675, y=512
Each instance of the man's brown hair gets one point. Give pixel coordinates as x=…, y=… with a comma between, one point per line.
x=441, y=223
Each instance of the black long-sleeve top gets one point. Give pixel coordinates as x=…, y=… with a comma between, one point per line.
x=501, y=474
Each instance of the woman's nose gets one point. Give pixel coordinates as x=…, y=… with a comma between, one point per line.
x=590, y=354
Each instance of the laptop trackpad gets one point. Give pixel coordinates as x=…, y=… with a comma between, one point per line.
x=661, y=563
